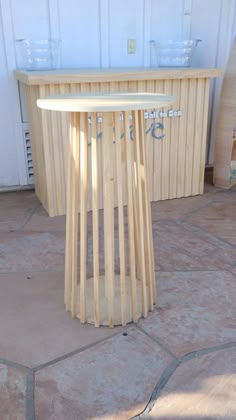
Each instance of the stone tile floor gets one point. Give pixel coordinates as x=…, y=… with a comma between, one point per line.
x=179, y=363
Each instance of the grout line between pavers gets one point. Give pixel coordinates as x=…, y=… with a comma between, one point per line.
x=171, y=368
x=30, y=407
x=28, y=218
x=15, y=365
x=193, y=270
x=201, y=229
x=77, y=351
x=163, y=347
x=168, y=372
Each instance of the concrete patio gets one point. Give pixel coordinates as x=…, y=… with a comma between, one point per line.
x=178, y=363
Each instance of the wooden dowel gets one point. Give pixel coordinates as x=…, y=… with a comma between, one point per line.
x=120, y=216
x=130, y=174
x=95, y=204
x=140, y=203
x=108, y=191
x=149, y=253
x=72, y=212
x=83, y=211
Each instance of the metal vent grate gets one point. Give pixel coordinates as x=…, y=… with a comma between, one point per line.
x=28, y=155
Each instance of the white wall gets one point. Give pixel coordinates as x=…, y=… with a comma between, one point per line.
x=94, y=33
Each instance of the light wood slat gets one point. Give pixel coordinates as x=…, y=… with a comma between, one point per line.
x=149, y=86
x=184, y=97
x=130, y=174
x=85, y=87
x=72, y=218
x=68, y=246
x=119, y=164
x=65, y=123
x=190, y=137
x=204, y=135
x=198, y=136
x=166, y=148
x=157, y=151
x=140, y=203
x=37, y=125
x=95, y=87
x=148, y=239
x=95, y=193
x=113, y=87
x=108, y=190
x=48, y=156
x=174, y=137
x=57, y=150
x=83, y=211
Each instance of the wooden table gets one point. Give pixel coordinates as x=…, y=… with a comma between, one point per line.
x=108, y=297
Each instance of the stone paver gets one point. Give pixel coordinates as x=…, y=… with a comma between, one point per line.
x=34, y=327
x=12, y=393
x=202, y=388
x=180, y=246
x=16, y=208
x=219, y=218
x=195, y=310
x=113, y=380
x=21, y=251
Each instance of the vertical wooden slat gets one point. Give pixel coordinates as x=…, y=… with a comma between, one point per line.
x=130, y=174
x=148, y=238
x=57, y=150
x=198, y=136
x=83, y=211
x=95, y=192
x=204, y=135
x=49, y=156
x=108, y=191
x=166, y=148
x=149, y=86
x=140, y=203
x=157, y=150
x=184, y=97
x=120, y=200
x=72, y=218
x=174, y=138
x=190, y=136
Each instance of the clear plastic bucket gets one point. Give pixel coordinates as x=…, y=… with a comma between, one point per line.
x=172, y=53
x=40, y=54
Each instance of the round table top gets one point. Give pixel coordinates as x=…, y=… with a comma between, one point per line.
x=105, y=102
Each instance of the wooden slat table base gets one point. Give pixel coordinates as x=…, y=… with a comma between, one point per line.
x=109, y=265
x=108, y=297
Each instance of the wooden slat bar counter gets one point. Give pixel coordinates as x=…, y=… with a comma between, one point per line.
x=124, y=295
x=175, y=139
